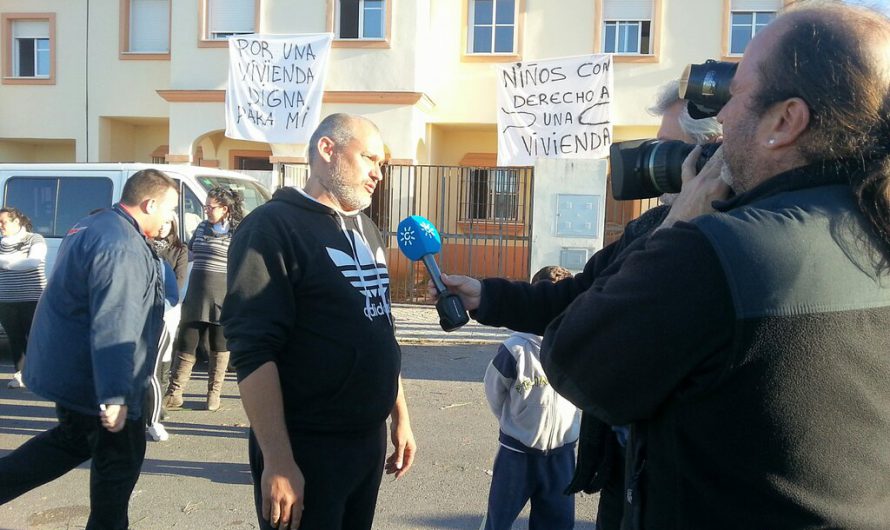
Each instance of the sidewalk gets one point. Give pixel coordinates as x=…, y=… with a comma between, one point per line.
x=419, y=324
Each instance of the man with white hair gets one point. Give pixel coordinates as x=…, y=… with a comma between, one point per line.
x=677, y=124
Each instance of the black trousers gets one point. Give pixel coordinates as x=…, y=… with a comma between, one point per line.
x=610, y=512
x=116, y=462
x=16, y=317
x=342, y=472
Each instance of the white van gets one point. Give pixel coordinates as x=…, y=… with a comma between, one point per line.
x=55, y=196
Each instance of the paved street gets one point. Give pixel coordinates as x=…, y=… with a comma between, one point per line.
x=199, y=479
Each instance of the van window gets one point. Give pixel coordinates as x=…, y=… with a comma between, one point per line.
x=192, y=213
x=254, y=194
x=55, y=204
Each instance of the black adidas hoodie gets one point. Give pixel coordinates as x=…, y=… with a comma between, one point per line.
x=308, y=289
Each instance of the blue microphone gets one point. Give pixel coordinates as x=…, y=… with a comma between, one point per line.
x=419, y=241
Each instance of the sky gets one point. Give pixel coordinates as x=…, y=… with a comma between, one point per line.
x=883, y=5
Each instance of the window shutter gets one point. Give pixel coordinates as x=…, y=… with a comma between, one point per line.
x=31, y=29
x=232, y=16
x=150, y=26
x=756, y=5
x=627, y=10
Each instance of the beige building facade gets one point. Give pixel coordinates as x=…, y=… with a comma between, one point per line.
x=144, y=80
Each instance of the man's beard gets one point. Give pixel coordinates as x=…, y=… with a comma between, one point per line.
x=739, y=169
x=350, y=198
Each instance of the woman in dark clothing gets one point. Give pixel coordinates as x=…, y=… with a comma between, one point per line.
x=170, y=249
x=203, y=300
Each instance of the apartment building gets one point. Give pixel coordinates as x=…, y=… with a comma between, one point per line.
x=144, y=80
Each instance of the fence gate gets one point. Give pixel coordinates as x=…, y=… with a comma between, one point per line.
x=483, y=215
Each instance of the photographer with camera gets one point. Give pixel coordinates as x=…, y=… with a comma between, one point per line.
x=526, y=307
x=751, y=345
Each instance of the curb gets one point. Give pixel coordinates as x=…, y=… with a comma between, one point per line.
x=411, y=341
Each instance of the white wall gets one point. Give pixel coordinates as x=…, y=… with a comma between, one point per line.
x=425, y=56
x=50, y=111
x=570, y=177
x=464, y=92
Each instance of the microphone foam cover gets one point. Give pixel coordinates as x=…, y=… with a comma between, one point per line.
x=418, y=237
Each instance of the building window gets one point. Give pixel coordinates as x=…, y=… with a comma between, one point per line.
x=742, y=19
x=627, y=27
x=361, y=19
x=148, y=27
x=30, y=56
x=225, y=18
x=744, y=25
x=624, y=36
x=493, y=195
x=492, y=26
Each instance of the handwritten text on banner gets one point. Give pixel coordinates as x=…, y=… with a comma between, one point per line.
x=558, y=108
x=276, y=83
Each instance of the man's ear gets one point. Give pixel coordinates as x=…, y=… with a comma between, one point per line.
x=789, y=120
x=149, y=206
x=325, y=147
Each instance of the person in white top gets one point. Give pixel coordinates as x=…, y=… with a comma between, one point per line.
x=22, y=280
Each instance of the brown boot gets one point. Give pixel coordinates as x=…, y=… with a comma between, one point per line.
x=179, y=377
x=216, y=374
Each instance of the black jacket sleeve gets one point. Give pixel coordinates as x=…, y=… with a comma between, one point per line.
x=627, y=343
x=526, y=307
x=259, y=308
x=521, y=306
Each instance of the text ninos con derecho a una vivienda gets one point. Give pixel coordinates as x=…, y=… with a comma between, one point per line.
x=543, y=93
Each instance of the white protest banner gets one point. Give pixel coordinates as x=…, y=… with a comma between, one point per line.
x=558, y=108
x=276, y=83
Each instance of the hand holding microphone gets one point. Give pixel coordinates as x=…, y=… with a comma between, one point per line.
x=419, y=241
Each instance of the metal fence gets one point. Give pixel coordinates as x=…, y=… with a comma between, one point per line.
x=483, y=215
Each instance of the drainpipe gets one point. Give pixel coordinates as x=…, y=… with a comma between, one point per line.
x=87, y=87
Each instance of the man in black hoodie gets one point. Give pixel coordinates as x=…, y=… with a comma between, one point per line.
x=309, y=325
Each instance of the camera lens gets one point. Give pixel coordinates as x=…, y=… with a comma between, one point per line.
x=664, y=159
x=642, y=169
x=706, y=87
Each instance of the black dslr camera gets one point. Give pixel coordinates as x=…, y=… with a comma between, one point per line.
x=648, y=168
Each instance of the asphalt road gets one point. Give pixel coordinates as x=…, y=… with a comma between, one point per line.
x=199, y=479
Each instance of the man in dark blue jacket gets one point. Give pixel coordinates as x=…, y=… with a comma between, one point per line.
x=93, y=344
